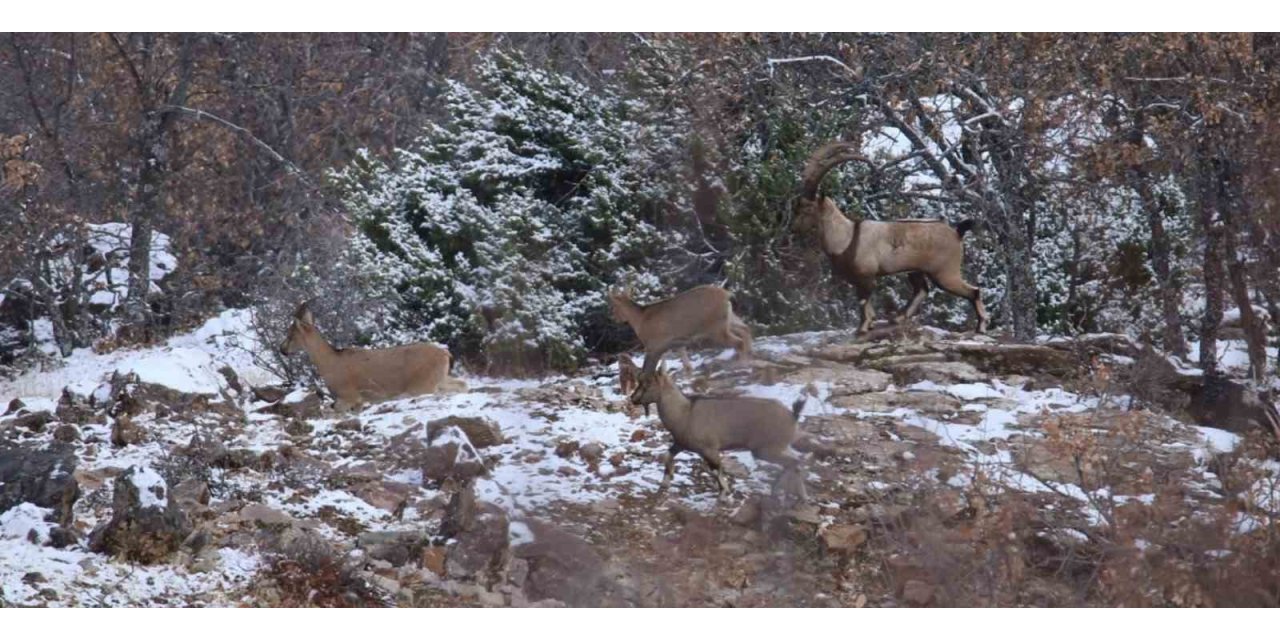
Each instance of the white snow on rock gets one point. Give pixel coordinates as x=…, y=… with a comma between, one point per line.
x=19, y=521
x=188, y=363
x=1219, y=441
x=519, y=534
x=152, y=491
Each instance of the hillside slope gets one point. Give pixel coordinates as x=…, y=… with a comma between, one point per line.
x=943, y=469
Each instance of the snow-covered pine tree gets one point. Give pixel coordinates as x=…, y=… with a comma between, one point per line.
x=502, y=226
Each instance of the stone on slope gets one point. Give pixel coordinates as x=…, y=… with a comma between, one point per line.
x=43, y=477
x=146, y=526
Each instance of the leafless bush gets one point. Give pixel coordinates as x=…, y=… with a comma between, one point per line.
x=348, y=308
x=1122, y=521
x=195, y=463
x=1153, y=382
x=307, y=571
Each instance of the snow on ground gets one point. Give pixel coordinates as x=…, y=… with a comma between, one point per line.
x=187, y=363
x=529, y=479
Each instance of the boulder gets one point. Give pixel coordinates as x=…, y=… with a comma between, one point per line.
x=1223, y=403
x=233, y=379
x=918, y=593
x=1018, y=359
x=938, y=372
x=298, y=428
x=591, y=452
x=43, y=477
x=450, y=455
x=66, y=433
x=843, y=538
x=844, y=380
x=74, y=408
x=34, y=421
x=386, y=495
x=482, y=551
x=27, y=522
x=460, y=513
x=269, y=393
x=296, y=405
x=929, y=402
x=748, y=513
x=396, y=547
x=350, y=424
x=146, y=525
x=481, y=432
x=124, y=432
x=561, y=565
x=264, y=516
x=192, y=495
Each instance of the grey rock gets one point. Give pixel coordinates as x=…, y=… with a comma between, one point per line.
x=142, y=529
x=43, y=477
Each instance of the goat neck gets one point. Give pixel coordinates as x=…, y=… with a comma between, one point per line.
x=673, y=406
x=836, y=229
x=322, y=353
x=629, y=311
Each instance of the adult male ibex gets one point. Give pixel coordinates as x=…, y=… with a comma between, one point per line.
x=862, y=250
x=701, y=313
x=356, y=376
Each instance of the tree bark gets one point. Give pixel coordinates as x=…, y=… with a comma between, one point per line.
x=147, y=208
x=1160, y=252
x=1233, y=214
x=1213, y=229
x=159, y=111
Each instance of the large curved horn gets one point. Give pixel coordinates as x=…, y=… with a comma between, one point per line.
x=826, y=158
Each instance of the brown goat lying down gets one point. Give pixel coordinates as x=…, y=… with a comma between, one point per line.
x=863, y=250
x=701, y=313
x=356, y=376
x=708, y=426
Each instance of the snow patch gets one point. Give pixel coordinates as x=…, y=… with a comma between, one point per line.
x=152, y=490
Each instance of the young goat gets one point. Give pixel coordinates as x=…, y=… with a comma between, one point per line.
x=356, y=376
x=862, y=250
x=627, y=375
x=701, y=313
x=708, y=426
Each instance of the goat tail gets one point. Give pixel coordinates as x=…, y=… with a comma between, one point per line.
x=965, y=226
x=798, y=406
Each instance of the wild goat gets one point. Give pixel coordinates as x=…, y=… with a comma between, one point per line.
x=708, y=426
x=356, y=376
x=862, y=250
x=701, y=313
x=627, y=375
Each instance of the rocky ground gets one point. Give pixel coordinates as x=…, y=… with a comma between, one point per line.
x=943, y=469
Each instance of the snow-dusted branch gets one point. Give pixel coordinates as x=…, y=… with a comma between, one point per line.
x=773, y=62
x=202, y=114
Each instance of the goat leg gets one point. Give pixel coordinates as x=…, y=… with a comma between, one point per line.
x=685, y=362
x=919, y=290
x=713, y=461
x=723, y=482
x=669, y=472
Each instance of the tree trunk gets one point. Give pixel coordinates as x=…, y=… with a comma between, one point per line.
x=1233, y=214
x=1017, y=237
x=146, y=210
x=1021, y=287
x=1212, y=227
x=1160, y=252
